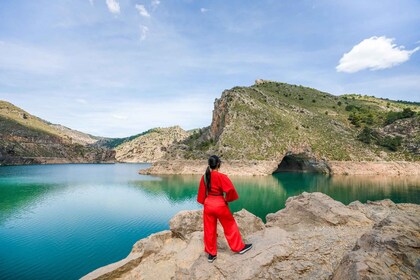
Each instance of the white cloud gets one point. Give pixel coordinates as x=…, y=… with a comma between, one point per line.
x=155, y=4
x=204, y=10
x=142, y=10
x=143, y=32
x=91, y=2
x=374, y=53
x=113, y=6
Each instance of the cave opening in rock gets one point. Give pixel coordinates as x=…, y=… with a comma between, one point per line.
x=301, y=163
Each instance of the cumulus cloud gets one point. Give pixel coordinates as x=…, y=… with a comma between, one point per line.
x=113, y=6
x=375, y=53
x=155, y=4
x=204, y=10
x=142, y=10
x=143, y=32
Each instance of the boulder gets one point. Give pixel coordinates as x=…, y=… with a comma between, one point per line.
x=315, y=209
x=186, y=222
x=391, y=250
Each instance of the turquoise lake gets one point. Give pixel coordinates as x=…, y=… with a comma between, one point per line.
x=63, y=221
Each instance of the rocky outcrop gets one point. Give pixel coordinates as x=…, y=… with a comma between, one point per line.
x=315, y=209
x=221, y=114
x=232, y=167
x=151, y=146
x=268, y=119
x=314, y=237
x=390, y=250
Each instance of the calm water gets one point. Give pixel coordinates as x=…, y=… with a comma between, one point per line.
x=63, y=221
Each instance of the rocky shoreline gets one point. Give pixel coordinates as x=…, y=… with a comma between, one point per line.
x=189, y=167
x=262, y=168
x=314, y=237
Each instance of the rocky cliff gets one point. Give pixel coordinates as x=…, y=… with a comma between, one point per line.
x=151, y=146
x=270, y=120
x=26, y=139
x=314, y=237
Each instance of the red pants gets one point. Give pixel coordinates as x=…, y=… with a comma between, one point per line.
x=215, y=208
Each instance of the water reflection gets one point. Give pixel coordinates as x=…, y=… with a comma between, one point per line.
x=21, y=198
x=263, y=195
x=399, y=189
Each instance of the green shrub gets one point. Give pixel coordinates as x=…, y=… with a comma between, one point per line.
x=393, y=116
x=366, y=136
x=391, y=143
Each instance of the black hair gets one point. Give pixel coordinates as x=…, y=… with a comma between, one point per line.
x=214, y=162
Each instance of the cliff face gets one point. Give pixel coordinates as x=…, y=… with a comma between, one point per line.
x=26, y=139
x=151, y=146
x=270, y=120
x=314, y=237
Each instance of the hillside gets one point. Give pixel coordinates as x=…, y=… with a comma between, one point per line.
x=270, y=120
x=26, y=139
x=150, y=146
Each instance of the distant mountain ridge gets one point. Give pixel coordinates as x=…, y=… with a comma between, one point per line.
x=27, y=139
x=268, y=121
x=150, y=146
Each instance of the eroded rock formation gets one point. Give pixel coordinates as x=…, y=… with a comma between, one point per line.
x=314, y=237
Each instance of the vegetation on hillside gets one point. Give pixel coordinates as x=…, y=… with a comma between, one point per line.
x=26, y=139
x=268, y=119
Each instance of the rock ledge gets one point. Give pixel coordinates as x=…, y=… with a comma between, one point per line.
x=314, y=237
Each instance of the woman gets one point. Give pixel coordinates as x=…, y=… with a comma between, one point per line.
x=210, y=193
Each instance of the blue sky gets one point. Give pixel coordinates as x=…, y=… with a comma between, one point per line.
x=119, y=67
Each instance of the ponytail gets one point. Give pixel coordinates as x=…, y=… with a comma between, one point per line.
x=207, y=178
x=214, y=162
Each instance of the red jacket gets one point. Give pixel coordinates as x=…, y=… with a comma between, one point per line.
x=220, y=183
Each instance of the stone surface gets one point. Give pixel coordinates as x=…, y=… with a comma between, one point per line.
x=391, y=250
x=315, y=209
x=314, y=237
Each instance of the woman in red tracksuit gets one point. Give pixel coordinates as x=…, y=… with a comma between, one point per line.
x=215, y=191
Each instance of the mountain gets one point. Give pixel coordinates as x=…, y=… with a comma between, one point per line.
x=151, y=145
x=271, y=120
x=27, y=139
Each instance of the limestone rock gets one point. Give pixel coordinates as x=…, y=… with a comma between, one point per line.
x=186, y=222
x=151, y=146
x=316, y=209
x=314, y=237
x=374, y=210
x=248, y=223
x=391, y=250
